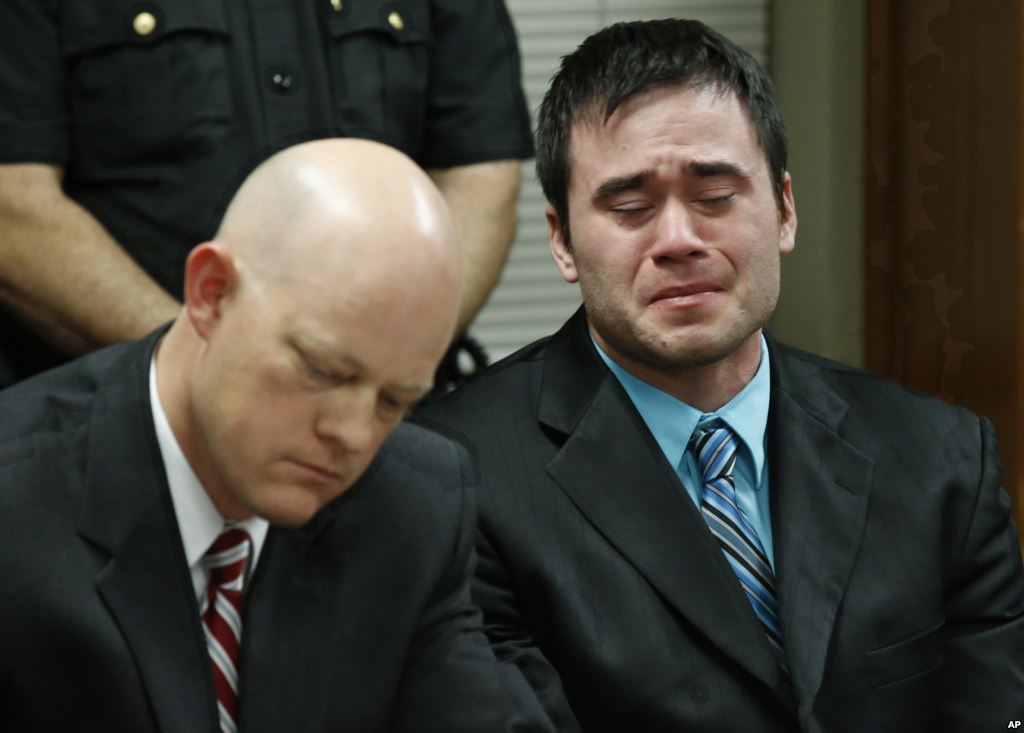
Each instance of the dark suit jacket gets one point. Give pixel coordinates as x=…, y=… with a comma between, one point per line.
x=360, y=621
x=899, y=573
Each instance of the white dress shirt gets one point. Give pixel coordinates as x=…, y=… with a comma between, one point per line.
x=198, y=519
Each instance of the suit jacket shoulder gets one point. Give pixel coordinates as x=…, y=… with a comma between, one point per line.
x=897, y=564
x=65, y=396
x=803, y=373
x=360, y=620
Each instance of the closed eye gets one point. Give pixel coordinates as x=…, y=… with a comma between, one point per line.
x=314, y=371
x=632, y=213
x=321, y=377
x=392, y=407
x=715, y=203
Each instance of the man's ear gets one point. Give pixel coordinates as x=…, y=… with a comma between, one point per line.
x=211, y=275
x=561, y=248
x=787, y=218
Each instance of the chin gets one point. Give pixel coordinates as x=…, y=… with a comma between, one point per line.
x=689, y=350
x=293, y=510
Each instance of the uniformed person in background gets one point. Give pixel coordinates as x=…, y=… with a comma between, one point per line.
x=125, y=125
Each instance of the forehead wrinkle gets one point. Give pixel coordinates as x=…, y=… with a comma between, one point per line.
x=663, y=154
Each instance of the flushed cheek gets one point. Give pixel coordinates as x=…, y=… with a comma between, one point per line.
x=265, y=446
x=621, y=279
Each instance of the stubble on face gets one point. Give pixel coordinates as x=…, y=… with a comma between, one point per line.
x=672, y=353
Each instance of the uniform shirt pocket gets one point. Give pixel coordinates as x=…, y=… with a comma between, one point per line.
x=146, y=80
x=379, y=59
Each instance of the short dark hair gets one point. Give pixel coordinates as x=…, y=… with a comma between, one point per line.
x=626, y=59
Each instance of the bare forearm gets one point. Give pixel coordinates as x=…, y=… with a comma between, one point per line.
x=482, y=198
x=63, y=274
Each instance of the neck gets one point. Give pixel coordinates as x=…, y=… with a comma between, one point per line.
x=171, y=384
x=706, y=387
x=176, y=356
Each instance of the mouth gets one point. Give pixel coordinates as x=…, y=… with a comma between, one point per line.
x=318, y=472
x=688, y=295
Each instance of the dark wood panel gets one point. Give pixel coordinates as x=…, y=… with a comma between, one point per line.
x=944, y=208
x=1017, y=428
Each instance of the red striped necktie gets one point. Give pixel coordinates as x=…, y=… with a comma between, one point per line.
x=222, y=618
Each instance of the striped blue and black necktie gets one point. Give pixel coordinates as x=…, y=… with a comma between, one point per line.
x=715, y=447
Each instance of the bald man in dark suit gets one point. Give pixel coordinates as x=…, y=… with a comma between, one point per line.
x=224, y=525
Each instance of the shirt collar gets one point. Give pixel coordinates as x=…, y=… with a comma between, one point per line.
x=198, y=519
x=671, y=421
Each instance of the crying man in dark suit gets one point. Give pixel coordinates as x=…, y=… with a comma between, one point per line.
x=684, y=524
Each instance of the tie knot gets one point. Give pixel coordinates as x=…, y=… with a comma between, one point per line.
x=714, y=444
x=227, y=557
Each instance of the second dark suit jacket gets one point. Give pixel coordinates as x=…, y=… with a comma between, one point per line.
x=360, y=621
x=898, y=569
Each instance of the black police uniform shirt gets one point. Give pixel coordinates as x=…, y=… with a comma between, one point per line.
x=157, y=110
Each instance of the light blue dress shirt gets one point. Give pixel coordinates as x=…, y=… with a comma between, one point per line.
x=672, y=421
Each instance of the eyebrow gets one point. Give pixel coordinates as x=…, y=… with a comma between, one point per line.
x=711, y=168
x=415, y=391
x=701, y=169
x=619, y=184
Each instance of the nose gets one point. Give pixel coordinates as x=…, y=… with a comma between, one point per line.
x=676, y=234
x=347, y=419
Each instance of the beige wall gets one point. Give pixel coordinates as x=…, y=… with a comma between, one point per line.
x=817, y=62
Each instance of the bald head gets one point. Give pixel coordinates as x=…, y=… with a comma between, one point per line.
x=339, y=199
x=312, y=321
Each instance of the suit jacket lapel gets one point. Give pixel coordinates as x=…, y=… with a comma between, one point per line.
x=127, y=513
x=820, y=486
x=615, y=474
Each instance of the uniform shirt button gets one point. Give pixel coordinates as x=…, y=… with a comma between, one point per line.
x=699, y=694
x=144, y=23
x=283, y=80
x=395, y=20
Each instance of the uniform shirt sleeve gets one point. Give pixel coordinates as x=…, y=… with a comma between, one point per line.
x=477, y=111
